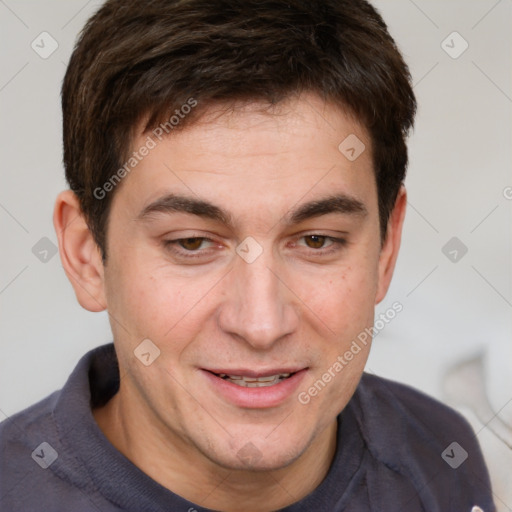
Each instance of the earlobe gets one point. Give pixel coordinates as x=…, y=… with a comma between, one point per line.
x=79, y=253
x=389, y=251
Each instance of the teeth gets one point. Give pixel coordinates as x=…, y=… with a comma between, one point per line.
x=255, y=382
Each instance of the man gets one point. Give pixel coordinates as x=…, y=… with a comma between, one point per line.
x=236, y=204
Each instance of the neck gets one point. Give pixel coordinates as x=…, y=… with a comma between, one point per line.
x=159, y=452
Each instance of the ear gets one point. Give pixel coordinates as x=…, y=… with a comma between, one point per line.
x=389, y=251
x=79, y=253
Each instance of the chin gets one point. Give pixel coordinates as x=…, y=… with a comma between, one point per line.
x=259, y=454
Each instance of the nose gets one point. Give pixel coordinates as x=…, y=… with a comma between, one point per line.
x=258, y=307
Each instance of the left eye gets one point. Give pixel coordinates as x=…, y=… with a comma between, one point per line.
x=192, y=244
x=317, y=241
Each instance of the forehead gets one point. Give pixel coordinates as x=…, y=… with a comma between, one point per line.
x=250, y=153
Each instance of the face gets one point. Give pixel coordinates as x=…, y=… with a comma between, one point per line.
x=247, y=249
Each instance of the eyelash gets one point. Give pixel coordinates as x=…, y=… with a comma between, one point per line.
x=336, y=245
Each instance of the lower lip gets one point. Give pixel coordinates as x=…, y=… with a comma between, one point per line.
x=256, y=398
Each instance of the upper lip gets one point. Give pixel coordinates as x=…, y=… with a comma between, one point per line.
x=245, y=372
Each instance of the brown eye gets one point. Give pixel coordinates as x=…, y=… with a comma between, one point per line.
x=315, y=241
x=191, y=244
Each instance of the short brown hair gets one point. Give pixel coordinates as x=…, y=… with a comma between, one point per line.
x=142, y=60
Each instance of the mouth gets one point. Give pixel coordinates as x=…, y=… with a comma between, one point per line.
x=255, y=382
x=255, y=389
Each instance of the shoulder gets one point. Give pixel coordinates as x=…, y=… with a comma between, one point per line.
x=29, y=445
x=425, y=441
x=18, y=429
x=404, y=406
x=38, y=462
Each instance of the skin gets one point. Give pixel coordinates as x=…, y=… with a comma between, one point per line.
x=301, y=302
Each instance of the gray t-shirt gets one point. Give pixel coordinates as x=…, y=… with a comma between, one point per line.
x=395, y=452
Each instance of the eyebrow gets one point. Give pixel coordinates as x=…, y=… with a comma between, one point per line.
x=172, y=203
x=339, y=203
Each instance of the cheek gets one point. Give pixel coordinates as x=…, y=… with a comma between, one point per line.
x=343, y=299
x=140, y=300
x=157, y=305
x=152, y=302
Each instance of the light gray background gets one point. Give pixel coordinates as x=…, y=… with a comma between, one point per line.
x=460, y=168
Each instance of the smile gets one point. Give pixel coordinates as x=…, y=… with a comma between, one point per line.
x=255, y=389
x=255, y=382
